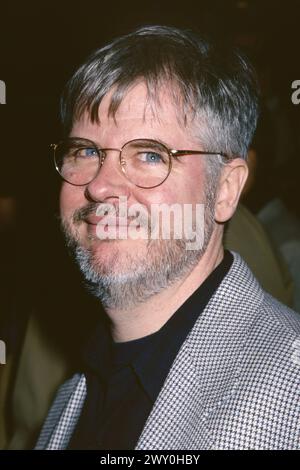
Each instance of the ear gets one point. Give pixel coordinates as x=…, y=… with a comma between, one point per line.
x=231, y=183
x=252, y=164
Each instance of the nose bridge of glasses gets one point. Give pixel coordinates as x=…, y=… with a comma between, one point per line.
x=103, y=153
x=113, y=165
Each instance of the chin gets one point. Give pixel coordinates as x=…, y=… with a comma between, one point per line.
x=108, y=249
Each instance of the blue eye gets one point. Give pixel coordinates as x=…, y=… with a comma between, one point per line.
x=152, y=157
x=86, y=152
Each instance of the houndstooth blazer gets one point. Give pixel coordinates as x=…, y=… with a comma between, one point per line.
x=234, y=384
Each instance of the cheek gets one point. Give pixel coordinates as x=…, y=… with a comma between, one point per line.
x=71, y=198
x=194, y=183
x=160, y=195
x=187, y=183
x=182, y=193
x=189, y=188
x=183, y=186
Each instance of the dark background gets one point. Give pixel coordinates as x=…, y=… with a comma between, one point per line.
x=41, y=44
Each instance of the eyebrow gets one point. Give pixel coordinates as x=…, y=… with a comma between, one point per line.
x=98, y=145
x=81, y=140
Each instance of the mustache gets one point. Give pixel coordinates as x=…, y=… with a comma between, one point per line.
x=81, y=213
x=92, y=208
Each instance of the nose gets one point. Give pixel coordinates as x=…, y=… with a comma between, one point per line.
x=110, y=181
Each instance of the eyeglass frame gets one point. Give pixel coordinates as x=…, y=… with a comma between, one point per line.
x=171, y=153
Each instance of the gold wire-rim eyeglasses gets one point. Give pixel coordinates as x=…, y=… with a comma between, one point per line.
x=171, y=153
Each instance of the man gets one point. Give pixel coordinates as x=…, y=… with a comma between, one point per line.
x=190, y=353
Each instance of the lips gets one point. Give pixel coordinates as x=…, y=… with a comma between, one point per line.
x=106, y=220
x=92, y=219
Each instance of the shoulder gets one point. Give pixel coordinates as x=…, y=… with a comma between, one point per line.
x=273, y=346
x=262, y=409
x=285, y=318
x=271, y=338
x=269, y=383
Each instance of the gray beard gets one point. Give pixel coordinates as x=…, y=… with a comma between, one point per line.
x=166, y=262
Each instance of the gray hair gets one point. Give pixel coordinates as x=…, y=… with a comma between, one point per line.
x=213, y=85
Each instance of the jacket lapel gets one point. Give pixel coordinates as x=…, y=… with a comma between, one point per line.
x=205, y=373
x=176, y=420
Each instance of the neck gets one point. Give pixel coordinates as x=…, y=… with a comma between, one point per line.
x=147, y=318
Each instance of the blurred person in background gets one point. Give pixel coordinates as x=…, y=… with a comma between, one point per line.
x=272, y=192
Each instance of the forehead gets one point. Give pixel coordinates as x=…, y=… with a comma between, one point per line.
x=139, y=100
x=138, y=115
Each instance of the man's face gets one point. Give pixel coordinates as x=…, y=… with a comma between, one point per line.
x=129, y=260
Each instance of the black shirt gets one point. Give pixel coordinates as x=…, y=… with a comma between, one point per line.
x=124, y=379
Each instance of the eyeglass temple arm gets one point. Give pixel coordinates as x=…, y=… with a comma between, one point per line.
x=180, y=153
